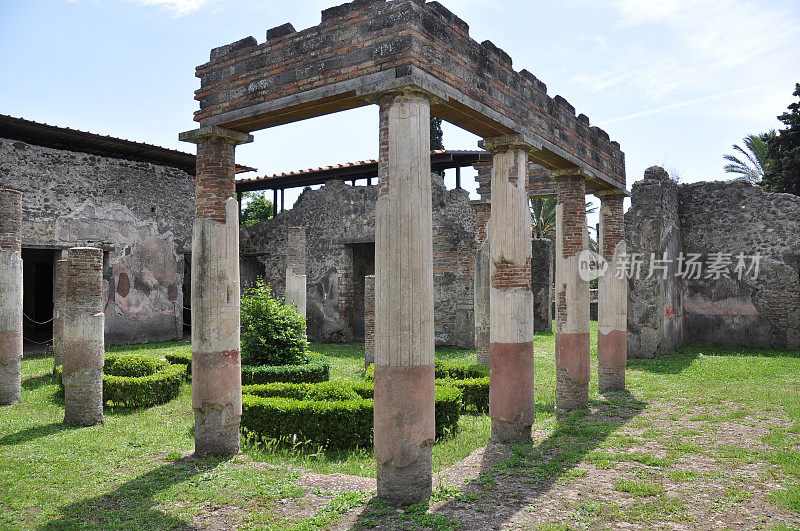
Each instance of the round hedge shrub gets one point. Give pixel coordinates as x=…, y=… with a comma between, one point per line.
x=134, y=380
x=181, y=358
x=281, y=410
x=314, y=368
x=272, y=333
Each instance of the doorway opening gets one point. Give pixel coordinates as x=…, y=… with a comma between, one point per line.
x=363, y=265
x=38, y=275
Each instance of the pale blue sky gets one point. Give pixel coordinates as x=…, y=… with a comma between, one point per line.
x=676, y=82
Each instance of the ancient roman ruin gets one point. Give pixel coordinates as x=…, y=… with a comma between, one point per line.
x=89, y=239
x=83, y=346
x=10, y=296
x=419, y=61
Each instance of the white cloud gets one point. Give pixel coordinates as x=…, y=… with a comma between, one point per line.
x=696, y=46
x=176, y=7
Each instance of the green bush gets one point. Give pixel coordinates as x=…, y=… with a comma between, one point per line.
x=271, y=333
x=460, y=369
x=133, y=380
x=181, y=358
x=331, y=391
x=315, y=368
x=283, y=410
x=475, y=392
x=452, y=369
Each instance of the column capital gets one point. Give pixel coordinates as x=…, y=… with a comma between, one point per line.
x=497, y=144
x=196, y=136
x=569, y=174
x=407, y=90
x=616, y=193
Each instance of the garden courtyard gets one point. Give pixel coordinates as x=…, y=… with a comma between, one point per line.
x=705, y=438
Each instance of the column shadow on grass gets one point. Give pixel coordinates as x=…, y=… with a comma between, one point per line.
x=33, y=433
x=519, y=474
x=131, y=505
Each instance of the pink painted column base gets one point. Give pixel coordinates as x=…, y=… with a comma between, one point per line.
x=511, y=395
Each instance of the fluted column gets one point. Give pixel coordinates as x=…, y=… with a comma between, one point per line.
x=216, y=349
x=369, y=320
x=572, y=295
x=59, y=309
x=10, y=296
x=296, y=269
x=612, y=337
x=404, y=335
x=481, y=282
x=511, y=393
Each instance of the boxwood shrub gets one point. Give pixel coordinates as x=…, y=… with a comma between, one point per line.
x=475, y=392
x=472, y=379
x=181, y=358
x=281, y=410
x=315, y=369
x=452, y=369
x=134, y=380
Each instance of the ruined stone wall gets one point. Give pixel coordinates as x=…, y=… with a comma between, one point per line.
x=340, y=226
x=707, y=218
x=139, y=213
x=655, y=304
x=733, y=218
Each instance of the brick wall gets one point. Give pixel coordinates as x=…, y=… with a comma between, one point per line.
x=367, y=46
x=10, y=220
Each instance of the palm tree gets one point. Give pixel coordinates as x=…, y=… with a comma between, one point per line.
x=543, y=217
x=751, y=167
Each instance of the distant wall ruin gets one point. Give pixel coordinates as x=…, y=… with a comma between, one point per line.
x=139, y=213
x=705, y=218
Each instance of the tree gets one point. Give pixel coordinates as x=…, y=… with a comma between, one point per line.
x=752, y=160
x=543, y=218
x=257, y=209
x=437, y=141
x=783, y=173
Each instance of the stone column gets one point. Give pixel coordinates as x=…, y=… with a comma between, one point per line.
x=511, y=299
x=404, y=335
x=542, y=283
x=572, y=295
x=369, y=320
x=296, y=269
x=481, y=281
x=216, y=356
x=83, y=343
x=612, y=337
x=10, y=296
x=59, y=308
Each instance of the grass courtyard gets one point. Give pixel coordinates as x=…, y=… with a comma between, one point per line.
x=707, y=437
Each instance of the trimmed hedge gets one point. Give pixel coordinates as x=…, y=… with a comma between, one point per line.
x=181, y=358
x=472, y=379
x=444, y=369
x=475, y=392
x=280, y=410
x=135, y=381
x=315, y=369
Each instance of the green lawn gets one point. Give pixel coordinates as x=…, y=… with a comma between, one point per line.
x=133, y=471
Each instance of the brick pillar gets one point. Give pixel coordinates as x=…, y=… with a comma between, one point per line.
x=216, y=355
x=59, y=308
x=511, y=299
x=10, y=296
x=612, y=338
x=481, y=281
x=83, y=343
x=369, y=320
x=572, y=295
x=404, y=335
x=296, y=269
